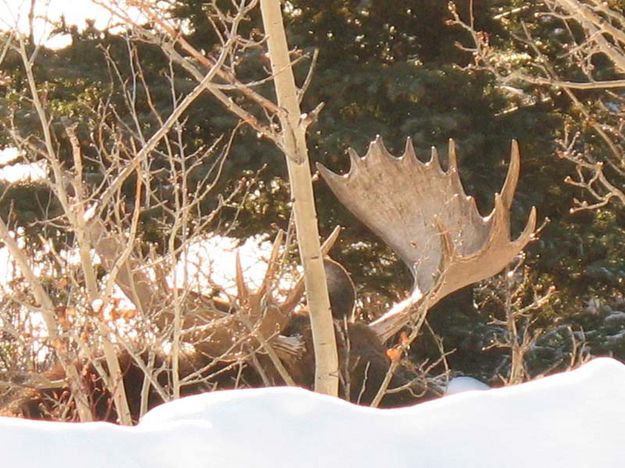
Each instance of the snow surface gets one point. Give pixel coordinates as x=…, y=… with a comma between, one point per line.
x=464, y=384
x=574, y=419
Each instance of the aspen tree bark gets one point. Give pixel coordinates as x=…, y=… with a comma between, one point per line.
x=113, y=377
x=293, y=143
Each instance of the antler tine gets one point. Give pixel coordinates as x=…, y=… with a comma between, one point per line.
x=242, y=290
x=354, y=159
x=328, y=175
x=452, y=165
x=512, y=177
x=409, y=152
x=528, y=232
x=377, y=152
x=273, y=264
x=434, y=159
x=454, y=176
x=435, y=162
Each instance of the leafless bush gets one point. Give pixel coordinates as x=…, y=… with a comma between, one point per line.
x=514, y=302
x=110, y=290
x=573, y=49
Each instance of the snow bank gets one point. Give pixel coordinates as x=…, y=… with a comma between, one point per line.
x=464, y=384
x=568, y=420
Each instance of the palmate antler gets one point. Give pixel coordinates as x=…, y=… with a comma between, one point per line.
x=217, y=328
x=424, y=215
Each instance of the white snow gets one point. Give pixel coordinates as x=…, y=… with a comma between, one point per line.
x=14, y=15
x=464, y=384
x=573, y=419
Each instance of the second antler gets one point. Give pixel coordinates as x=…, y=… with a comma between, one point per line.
x=424, y=215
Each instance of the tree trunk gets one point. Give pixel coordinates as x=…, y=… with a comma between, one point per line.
x=293, y=144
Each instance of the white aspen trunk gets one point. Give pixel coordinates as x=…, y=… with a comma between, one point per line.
x=114, y=377
x=293, y=144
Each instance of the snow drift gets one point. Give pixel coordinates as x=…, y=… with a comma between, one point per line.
x=574, y=419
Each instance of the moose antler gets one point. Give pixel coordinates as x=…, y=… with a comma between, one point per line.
x=424, y=215
x=217, y=328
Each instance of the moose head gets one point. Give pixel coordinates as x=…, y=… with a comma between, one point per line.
x=418, y=209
